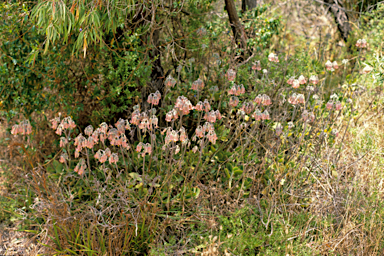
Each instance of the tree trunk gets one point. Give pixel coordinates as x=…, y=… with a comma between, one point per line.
x=341, y=17
x=237, y=28
x=248, y=5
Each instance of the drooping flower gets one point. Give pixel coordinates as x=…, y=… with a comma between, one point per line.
x=63, y=142
x=266, y=100
x=367, y=69
x=198, y=85
x=88, y=130
x=80, y=167
x=290, y=80
x=314, y=80
x=273, y=57
x=361, y=43
x=63, y=158
x=302, y=79
x=300, y=98
x=335, y=65
x=212, y=137
x=257, y=114
x=55, y=122
x=230, y=75
x=328, y=65
x=218, y=115
x=199, y=106
x=265, y=115
x=256, y=65
x=296, y=84
x=114, y=158
x=170, y=81
x=139, y=146
x=233, y=101
x=247, y=107
x=183, y=134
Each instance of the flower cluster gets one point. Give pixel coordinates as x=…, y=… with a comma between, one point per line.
x=302, y=79
x=236, y=90
x=66, y=123
x=264, y=100
x=154, y=98
x=247, y=107
x=256, y=66
x=104, y=155
x=141, y=120
x=147, y=148
x=183, y=105
x=208, y=131
x=23, y=128
x=80, y=167
x=170, y=81
x=314, y=80
x=233, y=101
x=331, y=65
x=296, y=99
x=198, y=85
x=175, y=136
x=273, y=57
x=171, y=115
x=63, y=158
x=331, y=104
x=230, y=75
x=258, y=115
x=361, y=43
x=212, y=116
x=297, y=82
